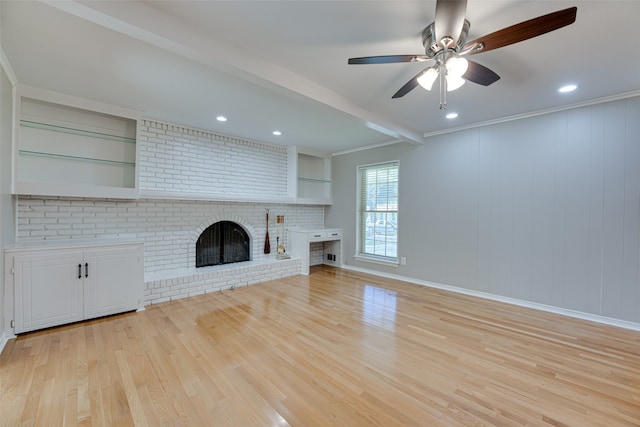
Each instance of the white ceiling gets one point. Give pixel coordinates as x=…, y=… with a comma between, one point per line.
x=283, y=64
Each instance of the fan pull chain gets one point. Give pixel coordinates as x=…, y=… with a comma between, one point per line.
x=443, y=87
x=442, y=74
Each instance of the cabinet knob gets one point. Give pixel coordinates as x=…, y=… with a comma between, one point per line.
x=86, y=269
x=79, y=271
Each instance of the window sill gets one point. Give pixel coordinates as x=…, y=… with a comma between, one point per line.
x=376, y=260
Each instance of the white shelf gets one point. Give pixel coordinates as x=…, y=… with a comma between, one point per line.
x=313, y=177
x=64, y=149
x=216, y=197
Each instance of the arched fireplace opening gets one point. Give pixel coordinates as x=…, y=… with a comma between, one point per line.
x=224, y=242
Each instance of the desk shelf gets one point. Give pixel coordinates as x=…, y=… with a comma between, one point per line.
x=300, y=241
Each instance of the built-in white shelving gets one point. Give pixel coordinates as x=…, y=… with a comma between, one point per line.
x=312, y=179
x=67, y=146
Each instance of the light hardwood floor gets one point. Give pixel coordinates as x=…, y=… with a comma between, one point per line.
x=334, y=348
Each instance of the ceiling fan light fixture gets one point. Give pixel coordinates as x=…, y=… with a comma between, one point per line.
x=427, y=78
x=457, y=66
x=454, y=82
x=444, y=41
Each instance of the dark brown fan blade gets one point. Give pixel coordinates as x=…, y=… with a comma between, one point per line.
x=389, y=59
x=408, y=86
x=480, y=74
x=526, y=30
x=450, y=19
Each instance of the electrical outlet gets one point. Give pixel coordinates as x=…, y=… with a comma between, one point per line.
x=403, y=260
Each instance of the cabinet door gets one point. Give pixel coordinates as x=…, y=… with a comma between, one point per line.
x=113, y=280
x=47, y=289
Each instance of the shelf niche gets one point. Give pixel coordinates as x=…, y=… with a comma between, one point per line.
x=64, y=150
x=313, y=177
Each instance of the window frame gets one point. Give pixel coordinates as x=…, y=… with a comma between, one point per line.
x=361, y=229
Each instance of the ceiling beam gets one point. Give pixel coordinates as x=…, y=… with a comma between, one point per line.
x=152, y=26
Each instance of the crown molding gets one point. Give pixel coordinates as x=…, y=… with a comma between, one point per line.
x=596, y=101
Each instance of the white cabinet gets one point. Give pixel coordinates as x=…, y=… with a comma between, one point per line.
x=312, y=177
x=47, y=289
x=300, y=241
x=66, y=146
x=54, y=286
x=114, y=280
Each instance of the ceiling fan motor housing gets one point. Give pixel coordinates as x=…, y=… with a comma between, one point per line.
x=433, y=46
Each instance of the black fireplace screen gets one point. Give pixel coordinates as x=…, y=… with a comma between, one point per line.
x=224, y=242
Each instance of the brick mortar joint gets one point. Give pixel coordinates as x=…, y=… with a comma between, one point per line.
x=156, y=124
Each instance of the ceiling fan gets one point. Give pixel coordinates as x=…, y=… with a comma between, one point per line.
x=444, y=41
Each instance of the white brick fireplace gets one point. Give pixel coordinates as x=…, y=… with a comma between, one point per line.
x=169, y=225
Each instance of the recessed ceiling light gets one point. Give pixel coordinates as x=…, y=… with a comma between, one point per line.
x=452, y=115
x=277, y=133
x=221, y=118
x=568, y=88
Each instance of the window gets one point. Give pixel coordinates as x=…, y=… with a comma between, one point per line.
x=378, y=212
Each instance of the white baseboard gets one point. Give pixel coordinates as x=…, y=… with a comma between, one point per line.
x=522, y=303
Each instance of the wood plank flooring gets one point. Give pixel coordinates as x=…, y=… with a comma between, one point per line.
x=336, y=348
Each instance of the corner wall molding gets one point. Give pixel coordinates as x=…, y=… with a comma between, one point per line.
x=612, y=98
x=6, y=66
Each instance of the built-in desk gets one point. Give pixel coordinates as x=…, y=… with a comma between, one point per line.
x=300, y=240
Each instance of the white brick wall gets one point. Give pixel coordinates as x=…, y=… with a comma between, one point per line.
x=169, y=228
x=173, y=158
x=176, y=159
x=214, y=279
x=316, y=253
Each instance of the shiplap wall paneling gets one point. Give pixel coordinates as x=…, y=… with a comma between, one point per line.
x=631, y=247
x=461, y=169
x=613, y=224
x=484, y=213
x=523, y=167
x=577, y=211
x=593, y=284
x=544, y=209
x=448, y=232
x=542, y=131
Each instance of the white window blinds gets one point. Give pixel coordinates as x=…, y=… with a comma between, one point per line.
x=378, y=211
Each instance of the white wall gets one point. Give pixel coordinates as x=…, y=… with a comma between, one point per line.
x=7, y=220
x=543, y=209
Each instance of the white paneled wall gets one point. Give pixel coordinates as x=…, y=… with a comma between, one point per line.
x=543, y=209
